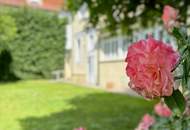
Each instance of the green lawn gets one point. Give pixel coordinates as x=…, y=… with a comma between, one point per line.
x=42, y=105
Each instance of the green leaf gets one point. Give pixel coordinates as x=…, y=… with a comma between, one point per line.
x=185, y=72
x=181, y=36
x=183, y=49
x=176, y=101
x=177, y=34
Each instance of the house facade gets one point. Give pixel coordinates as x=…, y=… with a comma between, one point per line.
x=81, y=52
x=96, y=59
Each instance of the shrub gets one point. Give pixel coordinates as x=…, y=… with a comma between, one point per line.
x=38, y=47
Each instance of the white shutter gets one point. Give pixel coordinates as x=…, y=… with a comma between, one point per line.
x=68, y=45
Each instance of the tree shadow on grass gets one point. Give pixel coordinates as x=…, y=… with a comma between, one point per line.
x=99, y=111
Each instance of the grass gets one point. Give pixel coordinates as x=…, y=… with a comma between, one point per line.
x=42, y=105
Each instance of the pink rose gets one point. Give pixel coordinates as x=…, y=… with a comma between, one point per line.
x=149, y=65
x=169, y=17
x=81, y=128
x=146, y=122
x=162, y=110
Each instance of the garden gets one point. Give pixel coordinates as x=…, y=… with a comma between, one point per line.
x=32, y=46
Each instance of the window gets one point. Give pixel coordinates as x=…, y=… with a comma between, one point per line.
x=78, y=51
x=35, y=2
x=135, y=38
x=68, y=37
x=112, y=48
x=91, y=39
x=115, y=46
x=125, y=44
x=160, y=34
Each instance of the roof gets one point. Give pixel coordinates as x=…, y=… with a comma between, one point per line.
x=52, y=5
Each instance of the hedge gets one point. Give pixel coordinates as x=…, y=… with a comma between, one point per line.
x=38, y=47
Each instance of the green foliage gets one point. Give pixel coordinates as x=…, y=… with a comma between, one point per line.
x=38, y=47
x=7, y=28
x=176, y=101
x=123, y=14
x=183, y=42
x=73, y=5
x=172, y=123
x=7, y=33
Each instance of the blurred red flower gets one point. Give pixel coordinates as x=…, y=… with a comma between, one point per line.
x=162, y=110
x=169, y=17
x=146, y=122
x=80, y=128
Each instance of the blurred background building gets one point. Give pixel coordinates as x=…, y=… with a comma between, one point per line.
x=52, y=5
x=97, y=58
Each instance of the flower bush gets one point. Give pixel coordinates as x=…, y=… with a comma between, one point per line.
x=154, y=68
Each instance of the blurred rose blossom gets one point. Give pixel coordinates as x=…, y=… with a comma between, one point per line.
x=169, y=17
x=146, y=122
x=149, y=65
x=162, y=110
x=80, y=128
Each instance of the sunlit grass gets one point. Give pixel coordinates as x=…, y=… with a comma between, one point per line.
x=44, y=105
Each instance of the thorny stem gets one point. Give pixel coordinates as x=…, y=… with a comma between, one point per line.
x=180, y=60
x=179, y=77
x=178, y=63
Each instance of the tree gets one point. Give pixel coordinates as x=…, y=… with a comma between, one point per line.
x=124, y=14
x=7, y=33
x=39, y=46
x=7, y=28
